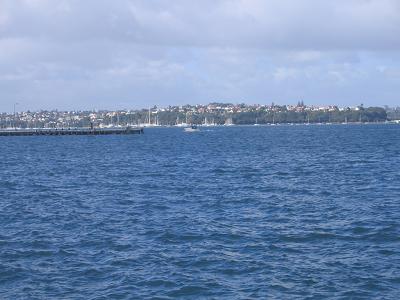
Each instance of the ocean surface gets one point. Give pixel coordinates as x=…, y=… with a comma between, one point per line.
x=278, y=212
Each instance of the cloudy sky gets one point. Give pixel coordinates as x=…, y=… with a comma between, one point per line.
x=94, y=54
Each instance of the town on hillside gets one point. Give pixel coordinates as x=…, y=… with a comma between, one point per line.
x=210, y=114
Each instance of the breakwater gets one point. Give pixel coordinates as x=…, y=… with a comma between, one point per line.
x=70, y=131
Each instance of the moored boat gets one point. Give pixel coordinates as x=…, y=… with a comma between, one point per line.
x=192, y=128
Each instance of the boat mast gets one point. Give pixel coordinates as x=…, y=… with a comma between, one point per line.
x=149, y=117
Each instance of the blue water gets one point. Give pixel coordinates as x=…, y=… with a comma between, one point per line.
x=227, y=213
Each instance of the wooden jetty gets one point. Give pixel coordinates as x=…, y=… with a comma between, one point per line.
x=71, y=131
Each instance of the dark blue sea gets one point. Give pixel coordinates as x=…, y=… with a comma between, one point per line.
x=278, y=212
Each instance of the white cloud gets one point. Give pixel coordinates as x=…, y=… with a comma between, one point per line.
x=180, y=51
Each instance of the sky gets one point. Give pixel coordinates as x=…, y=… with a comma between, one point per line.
x=127, y=54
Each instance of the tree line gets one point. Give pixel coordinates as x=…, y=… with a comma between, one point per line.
x=370, y=114
x=170, y=118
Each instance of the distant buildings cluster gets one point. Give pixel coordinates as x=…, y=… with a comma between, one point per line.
x=219, y=113
x=239, y=108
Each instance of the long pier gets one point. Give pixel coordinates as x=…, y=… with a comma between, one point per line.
x=70, y=131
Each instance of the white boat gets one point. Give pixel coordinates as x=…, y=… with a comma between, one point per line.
x=192, y=128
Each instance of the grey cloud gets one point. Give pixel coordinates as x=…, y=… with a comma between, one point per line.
x=306, y=24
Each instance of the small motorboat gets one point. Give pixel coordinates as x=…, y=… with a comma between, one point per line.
x=192, y=128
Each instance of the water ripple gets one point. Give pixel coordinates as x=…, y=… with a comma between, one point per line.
x=233, y=213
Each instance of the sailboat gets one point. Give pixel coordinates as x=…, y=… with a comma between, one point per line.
x=208, y=123
x=179, y=123
x=229, y=122
x=148, y=124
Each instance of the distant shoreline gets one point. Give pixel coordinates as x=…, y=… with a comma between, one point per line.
x=208, y=115
x=208, y=126
x=278, y=124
